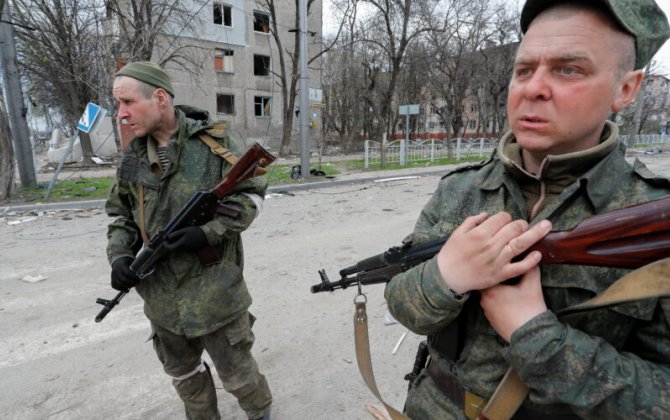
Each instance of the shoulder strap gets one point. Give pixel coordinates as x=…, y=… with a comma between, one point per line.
x=214, y=145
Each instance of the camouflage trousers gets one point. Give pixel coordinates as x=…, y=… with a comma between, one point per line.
x=230, y=350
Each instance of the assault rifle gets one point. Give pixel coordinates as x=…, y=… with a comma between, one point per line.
x=627, y=238
x=199, y=210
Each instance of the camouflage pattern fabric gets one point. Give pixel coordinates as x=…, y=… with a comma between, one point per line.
x=182, y=296
x=610, y=364
x=230, y=350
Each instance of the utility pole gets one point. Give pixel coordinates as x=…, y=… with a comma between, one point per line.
x=304, y=91
x=13, y=94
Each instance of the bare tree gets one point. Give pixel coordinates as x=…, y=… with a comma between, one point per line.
x=343, y=81
x=70, y=49
x=6, y=155
x=57, y=42
x=385, y=38
x=142, y=27
x=288, y=75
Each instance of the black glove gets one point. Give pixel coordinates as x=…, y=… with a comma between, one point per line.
x=190, y=238
x=123, y=278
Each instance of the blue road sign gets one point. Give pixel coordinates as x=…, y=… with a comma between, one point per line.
x=88, y=118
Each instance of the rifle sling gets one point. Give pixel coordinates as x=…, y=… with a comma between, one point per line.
x=511, y=391
x=364, y=360
x=217, y=149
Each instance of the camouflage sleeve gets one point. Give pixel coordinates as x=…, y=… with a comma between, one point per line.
x=123, y=237
x=247, y=198
x=561, y=364
x=418, y=298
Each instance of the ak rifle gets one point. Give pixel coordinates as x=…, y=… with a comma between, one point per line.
x=199, y=210
x=629, y=237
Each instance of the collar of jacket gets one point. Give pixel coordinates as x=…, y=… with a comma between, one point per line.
x=592, y=164
x=190, y=120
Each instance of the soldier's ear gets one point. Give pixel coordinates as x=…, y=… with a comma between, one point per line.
x=162, y=96
x=627, y=90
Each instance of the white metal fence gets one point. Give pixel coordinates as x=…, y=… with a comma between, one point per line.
x=431, y=150
x=642, y=140
x=428, y=150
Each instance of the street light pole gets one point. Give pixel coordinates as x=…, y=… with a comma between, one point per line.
x=304, y=91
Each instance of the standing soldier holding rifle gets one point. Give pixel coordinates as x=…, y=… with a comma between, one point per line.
x=192, y=307
x=484, y=308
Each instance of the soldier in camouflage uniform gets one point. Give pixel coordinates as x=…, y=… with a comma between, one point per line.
x=191, y=307
x=561, y=162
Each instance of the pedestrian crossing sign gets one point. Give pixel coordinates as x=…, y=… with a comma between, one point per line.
x=87, y=120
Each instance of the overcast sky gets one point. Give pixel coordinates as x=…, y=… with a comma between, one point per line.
x=664, y=54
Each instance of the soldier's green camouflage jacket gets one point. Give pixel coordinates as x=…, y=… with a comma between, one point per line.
x=614, y=363
x=182, y=295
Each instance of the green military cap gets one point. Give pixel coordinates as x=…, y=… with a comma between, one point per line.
x=147, y=72
x=641, y=18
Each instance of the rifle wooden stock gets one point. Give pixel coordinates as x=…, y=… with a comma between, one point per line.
x=629, y=237
x=626, y=238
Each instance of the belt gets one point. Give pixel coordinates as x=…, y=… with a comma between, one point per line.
x=472, y=403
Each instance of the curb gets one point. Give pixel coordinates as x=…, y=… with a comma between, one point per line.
x=87, y=204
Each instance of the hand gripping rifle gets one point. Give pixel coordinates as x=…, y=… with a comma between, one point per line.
x=627, y=238
x=199, y=210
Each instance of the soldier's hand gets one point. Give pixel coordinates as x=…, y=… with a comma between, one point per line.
x=509, y=307
x=190, y=238
x=123, y=278
x=480, y=252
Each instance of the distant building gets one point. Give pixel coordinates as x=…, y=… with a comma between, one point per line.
x=656, y=118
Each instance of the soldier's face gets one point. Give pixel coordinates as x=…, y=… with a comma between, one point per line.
x=564, y=84
x=142, y=114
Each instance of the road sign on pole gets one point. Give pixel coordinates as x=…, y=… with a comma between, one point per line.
x=406, y=110
x=89, y=117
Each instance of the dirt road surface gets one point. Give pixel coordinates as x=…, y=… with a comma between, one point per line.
x=57, y=363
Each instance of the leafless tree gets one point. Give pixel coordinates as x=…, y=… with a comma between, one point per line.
x=288, y=75
x=6, y=155
x=494, y=67
x=385, y=37
x=645, y=115
x=58, y=43
x=70, y=49
x=343, y=80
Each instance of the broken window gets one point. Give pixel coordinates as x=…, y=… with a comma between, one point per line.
x=225, y=104
x=262, y=106
x=261, y=65
x=223, y=61
x=223, y=14
x=261, y=22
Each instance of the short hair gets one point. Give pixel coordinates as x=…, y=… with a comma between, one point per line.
x=626, y=53
x=147, y=90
